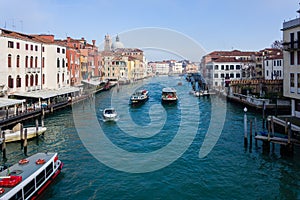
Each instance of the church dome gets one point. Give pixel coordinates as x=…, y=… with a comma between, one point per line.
x=117, y=44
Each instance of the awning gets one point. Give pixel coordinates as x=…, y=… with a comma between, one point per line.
x=46, y=94
x=10, y=102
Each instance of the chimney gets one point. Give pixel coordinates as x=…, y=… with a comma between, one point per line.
x=94, y=42
x=68, y=39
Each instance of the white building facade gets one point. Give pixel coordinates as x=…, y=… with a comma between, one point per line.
x=29, y=63
x=273, y=69
x=223, y=71
x=177, y=68
x=291, y=58
x=162, y=68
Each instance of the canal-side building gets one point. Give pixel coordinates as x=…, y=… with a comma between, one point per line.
x=120, y=63
x=291, y=64
x=55, y=69
x=224, y=69
x=84, y=59
x=162, y=68
x=31, y=62
x=273, y=64
x=242, y=65
x=222, y=66
x=176, y=67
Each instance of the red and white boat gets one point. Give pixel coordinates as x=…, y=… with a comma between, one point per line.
x=29, y=177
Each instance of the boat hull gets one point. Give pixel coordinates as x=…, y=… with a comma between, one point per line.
x=109, y=114
x=31, y=133
x=139, y=97
x=169, y=101
x=138, y=101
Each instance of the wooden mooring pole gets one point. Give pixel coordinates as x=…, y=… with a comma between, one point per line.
x=250, y=138
x=36, y=127
x=266, y=144
x=245, y=128
x=263, y=115
x=42, y=119
x=3, y=146
x=255, y=127
x=287, y=149
x=25, y=142
x=37, y=130
x=21, y=135
x=273, y=134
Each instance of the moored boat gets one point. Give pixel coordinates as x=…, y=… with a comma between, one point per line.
x=139, y=96
x=15, y=134
x=169, y=95
x=110, y=114
x=28, y=178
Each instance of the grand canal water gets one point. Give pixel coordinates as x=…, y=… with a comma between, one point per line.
x=228, y=171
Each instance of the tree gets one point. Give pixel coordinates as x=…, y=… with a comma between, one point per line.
x=277, y=44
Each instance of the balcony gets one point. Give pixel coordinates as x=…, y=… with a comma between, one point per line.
x=33, y=88
x=291, y=46
x=28, y=70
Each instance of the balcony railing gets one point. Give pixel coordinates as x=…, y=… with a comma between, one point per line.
x=28, y=70
x=291, y=46
x=33, y=88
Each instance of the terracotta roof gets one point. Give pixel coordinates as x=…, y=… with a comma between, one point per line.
x=230, y=59
x=128, y=50
x=232, y=53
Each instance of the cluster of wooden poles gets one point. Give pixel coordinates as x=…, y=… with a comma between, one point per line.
x=23, y=138
x=286, y=144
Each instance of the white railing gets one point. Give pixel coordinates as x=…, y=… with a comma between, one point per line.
x=28, y=70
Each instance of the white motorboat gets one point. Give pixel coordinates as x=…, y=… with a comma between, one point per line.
x=110, y=114
x=15, y=134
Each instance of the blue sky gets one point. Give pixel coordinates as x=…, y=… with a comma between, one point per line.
x=214, y=25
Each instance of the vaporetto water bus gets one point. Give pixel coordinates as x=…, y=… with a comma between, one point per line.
x=28, y=178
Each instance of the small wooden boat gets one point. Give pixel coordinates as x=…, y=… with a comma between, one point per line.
x=15, y=134
x=110, y=114
x=169, y=95
x=28, y=178
x=140, y=96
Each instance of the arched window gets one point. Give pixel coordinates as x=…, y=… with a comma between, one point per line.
x=31, y=80
x=18, y=81
x=36, y=62
x=10, y=82
x=57, y=78
x=26, y=80
x=31, y=61
x=18, y=61
x=9, y=60
x=43, y=62
x=63, y=77
x=26, y=61
x=63, y=62
x=57, y=63
x=43, y=79
x=36, y=79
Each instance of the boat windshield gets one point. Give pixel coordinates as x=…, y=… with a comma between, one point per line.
x=109, y=111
